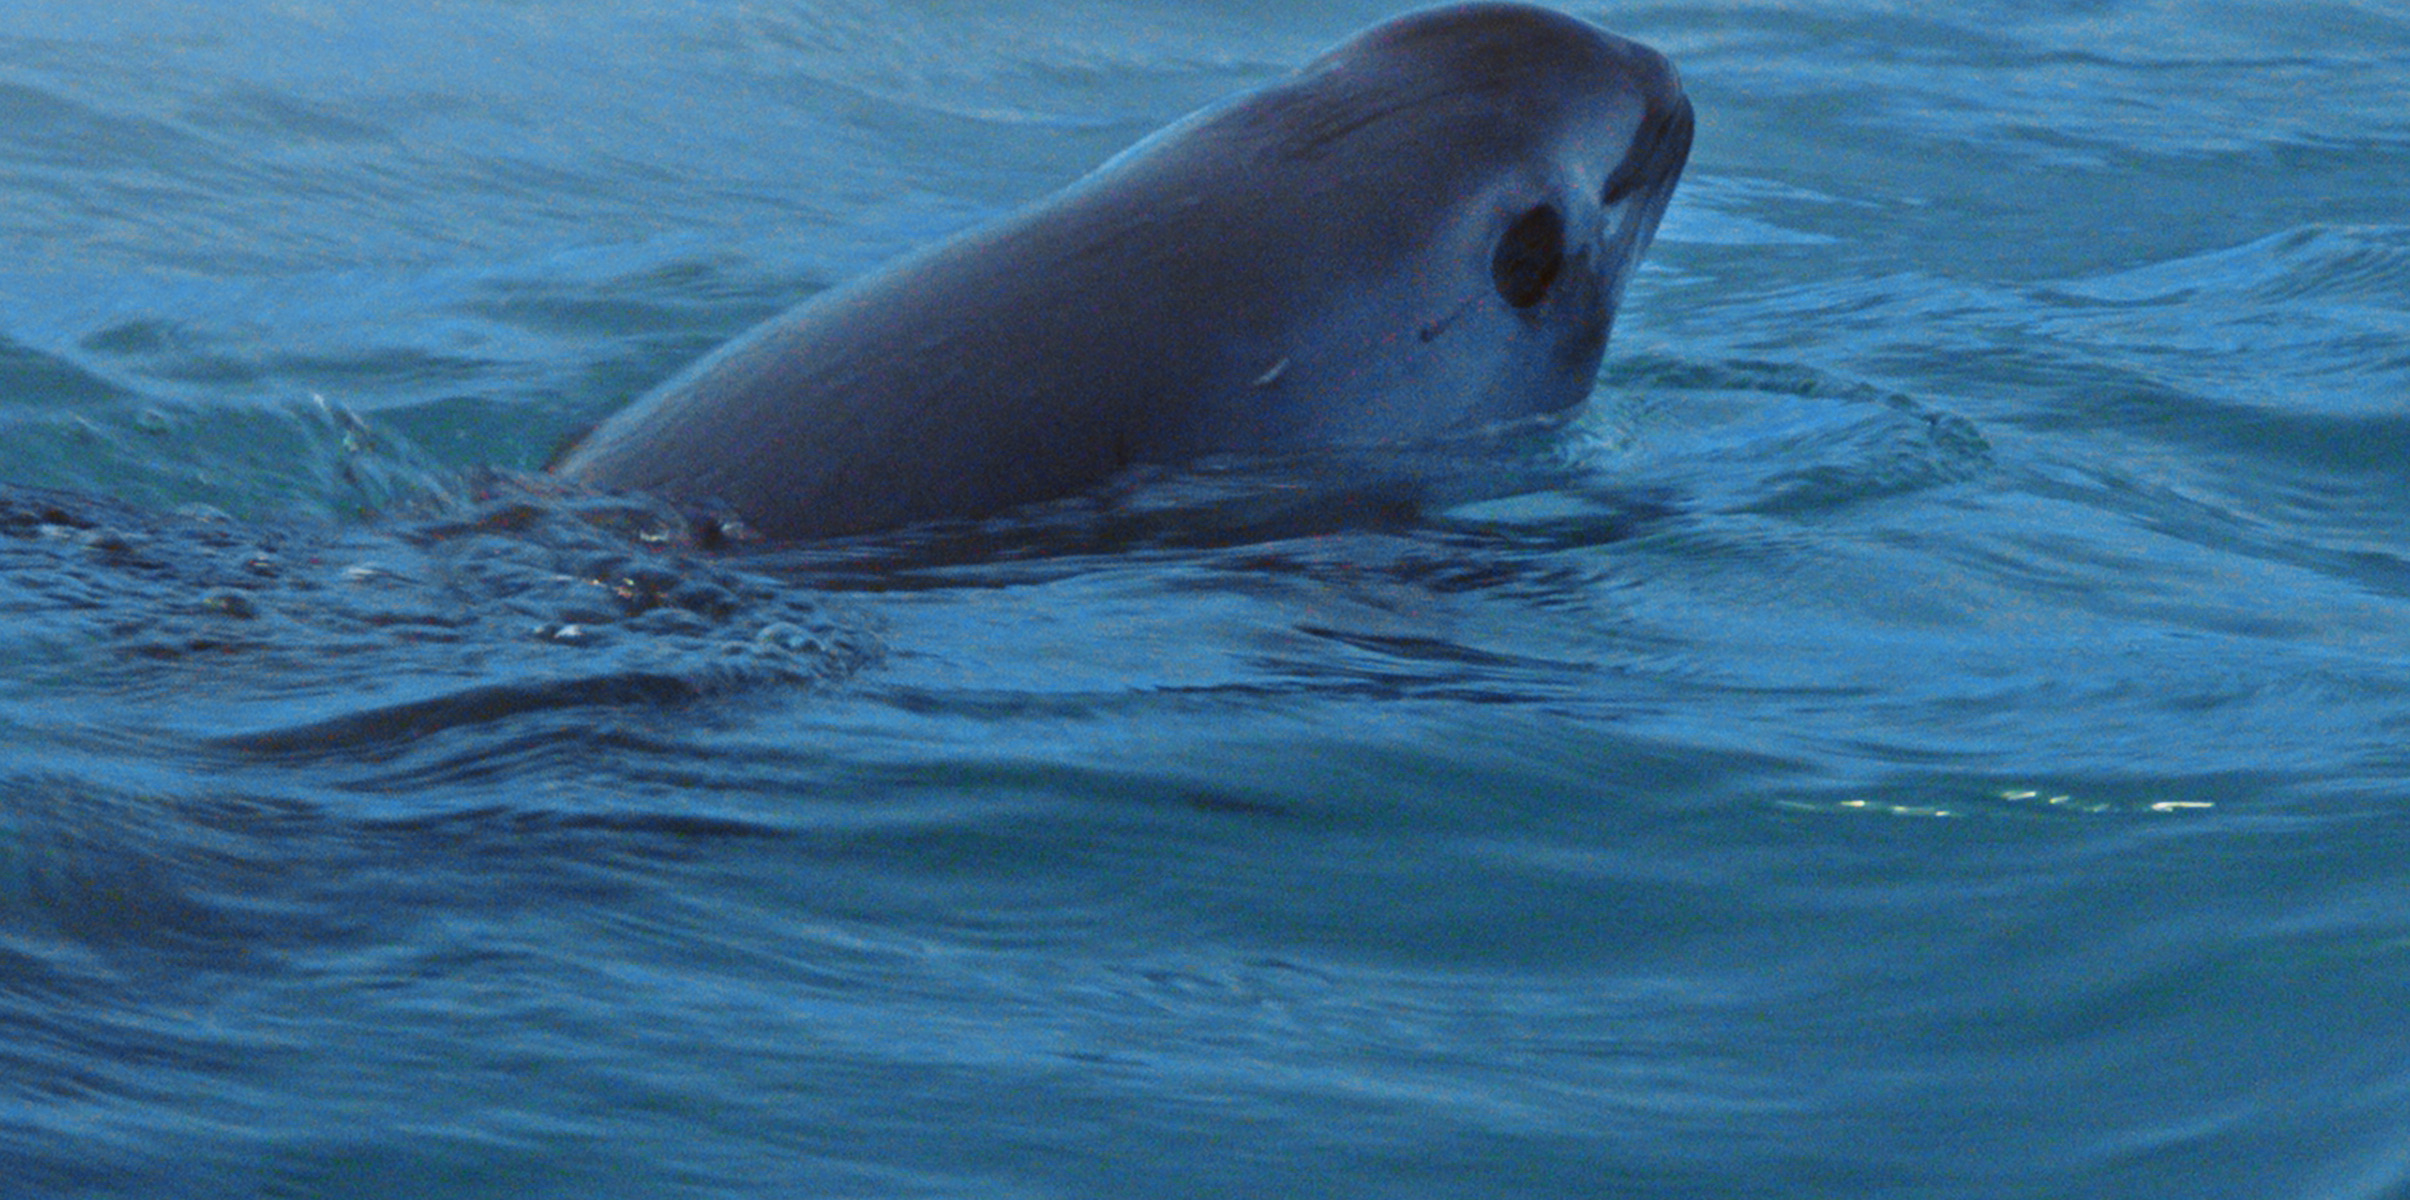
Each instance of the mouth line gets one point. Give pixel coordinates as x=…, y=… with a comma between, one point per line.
x=1432, y=329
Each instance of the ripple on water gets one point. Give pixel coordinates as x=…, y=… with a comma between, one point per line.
x=316, y=643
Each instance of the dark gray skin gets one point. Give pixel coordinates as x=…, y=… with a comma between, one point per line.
x=1427, y=228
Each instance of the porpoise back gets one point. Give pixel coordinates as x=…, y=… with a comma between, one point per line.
x=1428, y=227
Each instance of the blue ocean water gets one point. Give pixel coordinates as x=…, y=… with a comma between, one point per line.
x=1935, y=727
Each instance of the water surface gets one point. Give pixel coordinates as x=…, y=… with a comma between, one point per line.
x=1933, y=728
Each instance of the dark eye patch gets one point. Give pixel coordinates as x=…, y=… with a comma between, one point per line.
x=1529, y=256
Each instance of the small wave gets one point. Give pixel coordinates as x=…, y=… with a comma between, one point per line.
x=2308, y=321
x=1714, y=212
x=1784, y=437
x=375, y=731
x=311, y=460
x=31, y=378
x=2368, y=263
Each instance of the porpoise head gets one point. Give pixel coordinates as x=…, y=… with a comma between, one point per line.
x=1429, y=226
